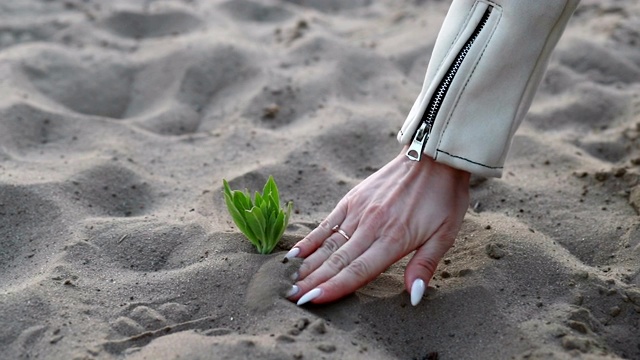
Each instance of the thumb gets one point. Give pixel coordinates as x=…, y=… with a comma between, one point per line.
x=423, y=264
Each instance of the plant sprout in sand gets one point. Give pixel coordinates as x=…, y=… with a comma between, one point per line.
x=262, y=220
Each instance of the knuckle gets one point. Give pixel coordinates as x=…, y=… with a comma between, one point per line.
x=387, y=240
x=449, y=237
x=376, y=213
x=396, y=241
x=304, y=244
x=325, y=225
x=427, y=265
x=303, y=270
x=360, y=269
x=330, y=245
x=339, y=260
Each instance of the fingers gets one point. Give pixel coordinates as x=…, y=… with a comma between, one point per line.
x=423, y=264
x=316, y=237
x=329, y=246
x=379, y=256
x=321, y=266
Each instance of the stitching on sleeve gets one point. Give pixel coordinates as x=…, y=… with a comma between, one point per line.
x=446, y=125
x=460, y=31
x=471, y=161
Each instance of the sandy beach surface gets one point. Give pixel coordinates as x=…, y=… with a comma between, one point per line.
x=119, y=120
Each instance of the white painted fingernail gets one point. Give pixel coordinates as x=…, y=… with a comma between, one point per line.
x=292, y=253
x=417, y=290
x=294, y=276
x=309, y=296
x=294, y=290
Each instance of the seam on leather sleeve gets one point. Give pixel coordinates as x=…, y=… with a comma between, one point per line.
x=460, y=31
x=453, y=109
x=471, y=161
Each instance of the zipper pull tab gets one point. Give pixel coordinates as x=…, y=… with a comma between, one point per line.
x=417, y=145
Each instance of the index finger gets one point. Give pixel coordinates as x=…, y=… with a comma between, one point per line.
x=314, y=239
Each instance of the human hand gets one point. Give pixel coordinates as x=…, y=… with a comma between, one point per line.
x=405, y=206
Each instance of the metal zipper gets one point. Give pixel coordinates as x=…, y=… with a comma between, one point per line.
x=429, y=117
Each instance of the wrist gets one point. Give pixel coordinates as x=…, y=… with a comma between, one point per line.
x=428, y=164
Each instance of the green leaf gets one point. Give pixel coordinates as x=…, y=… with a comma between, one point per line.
x=227, y=189
x=235, y=214
x=240, y=201
x=265, y=211
x=271, y=202
x=271, y=189
x=255, y=220
x=258, y=200
x=252, y=237
x=277, y=226
x=289, y=208
x=262, y=220
x=271, y=222
x=240, y=221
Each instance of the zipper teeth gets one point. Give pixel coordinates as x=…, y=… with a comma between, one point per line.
x=430, y=113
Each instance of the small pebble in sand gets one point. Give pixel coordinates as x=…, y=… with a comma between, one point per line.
x=495, y=250
x=634, y=198
x=319, y=327
x=575, y=343
x=55, y=339
x=327, y=348
x=582, y=274
x=578, y=326
x=615, y=311
x=270, y=111
x=247, y=343
x=285, y=339
x=619, y=172
x=464, y=272
x=633, y=295
x=217, y=332
x=301, y=324
x=577, y=299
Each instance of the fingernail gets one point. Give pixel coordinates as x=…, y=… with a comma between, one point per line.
x=294, y=276
x=309, y=296
x=417, y=290
x=294, y=290
x=291, y=254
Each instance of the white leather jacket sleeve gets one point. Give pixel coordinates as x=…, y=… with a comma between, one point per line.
x=486, y=65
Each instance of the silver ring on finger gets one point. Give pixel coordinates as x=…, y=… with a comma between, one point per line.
x=341, y=232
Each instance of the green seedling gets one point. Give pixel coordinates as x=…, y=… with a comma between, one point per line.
x=262, y=220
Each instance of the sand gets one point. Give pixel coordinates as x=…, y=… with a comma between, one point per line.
x=119, y=120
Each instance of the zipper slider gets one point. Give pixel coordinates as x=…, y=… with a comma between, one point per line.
x=417, y=145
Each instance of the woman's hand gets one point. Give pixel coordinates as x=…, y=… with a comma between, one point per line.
x=405, y=206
